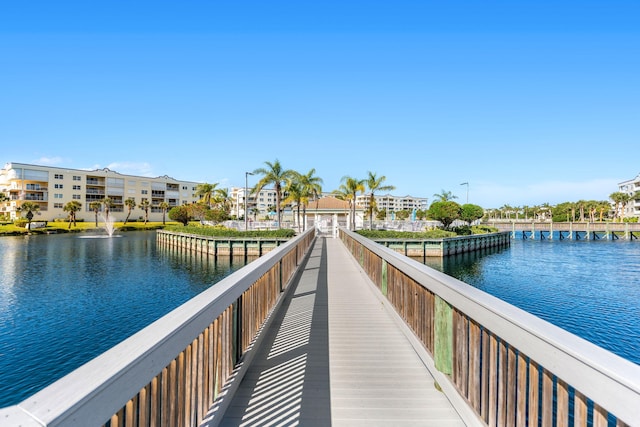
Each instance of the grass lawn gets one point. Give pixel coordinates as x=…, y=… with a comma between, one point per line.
x=87, y=226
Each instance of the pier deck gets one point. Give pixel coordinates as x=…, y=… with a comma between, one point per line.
x=334, y=355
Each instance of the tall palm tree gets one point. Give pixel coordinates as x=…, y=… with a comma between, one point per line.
x=30, y=208
x=130, y=204
x=72, y=207
x=374, y=184
x=95, y=207
x=145, y=205
x=164, y=206
x=222, y=200
x=276, y=175
x=617, y=199
x=311, y=188
x=295, y=196
x=206, y=191
x=349, y=190
x=108, y=204
x=444, y=196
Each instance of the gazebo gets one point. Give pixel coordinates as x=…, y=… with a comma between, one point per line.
x=325, y=212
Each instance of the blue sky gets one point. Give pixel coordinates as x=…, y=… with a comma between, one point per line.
x=529, y=102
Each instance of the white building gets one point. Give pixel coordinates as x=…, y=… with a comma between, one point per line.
x=51, y=188
x=632, y=188
x=390, y=203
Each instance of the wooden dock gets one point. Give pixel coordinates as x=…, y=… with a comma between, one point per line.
x=334, y=355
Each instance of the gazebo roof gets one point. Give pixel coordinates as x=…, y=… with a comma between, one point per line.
x=327, y=204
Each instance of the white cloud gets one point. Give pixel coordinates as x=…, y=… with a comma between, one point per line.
x=49, y=161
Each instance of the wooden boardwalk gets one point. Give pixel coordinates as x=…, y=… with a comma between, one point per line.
x=335, y=356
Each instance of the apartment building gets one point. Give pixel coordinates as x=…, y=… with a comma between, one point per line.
x=51, y=188
x=390, y=203
x=632, y=188
x=258, y=205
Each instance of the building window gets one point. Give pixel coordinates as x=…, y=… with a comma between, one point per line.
x=57, y=205
x=77, y=187
x=77, y=197
x=77, y=178
x=58, y=176
x=59, y=186
x=144, y=191
x=57, y=196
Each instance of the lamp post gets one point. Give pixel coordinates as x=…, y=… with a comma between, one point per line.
x=246, y=185
x=467, y=184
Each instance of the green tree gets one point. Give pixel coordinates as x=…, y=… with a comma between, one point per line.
x=470, y=212
x=206, y=192
x=163, y=206
x=130, y=203
x=311, y=189
x=108, y=204
x=374, y=183
x=293, y=189
x=277, y=176
x=29, y=208
x=95, y=207
x=349, y=190
x=145, y=205
x=444, y=196
x=620, y=200
x=3, y=197
x=222, y=200
x=72, y=207
x=444, y=211
x=181, y=214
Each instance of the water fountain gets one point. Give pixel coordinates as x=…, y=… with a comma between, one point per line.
x=108, y=224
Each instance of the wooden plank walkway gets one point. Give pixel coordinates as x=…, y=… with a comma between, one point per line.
x=335, y=356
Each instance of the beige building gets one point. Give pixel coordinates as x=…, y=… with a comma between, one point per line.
x=390, y=203
x=51, y=188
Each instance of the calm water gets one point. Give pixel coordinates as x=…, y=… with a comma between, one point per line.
x=65, y=299
x=590, y=288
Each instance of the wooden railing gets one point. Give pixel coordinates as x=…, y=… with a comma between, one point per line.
x=510, y=367
x=170, y=373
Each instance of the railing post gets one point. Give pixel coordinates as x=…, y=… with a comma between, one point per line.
x=443, y=336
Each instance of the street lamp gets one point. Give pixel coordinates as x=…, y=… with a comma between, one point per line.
x=246, y=184
x=467, y=184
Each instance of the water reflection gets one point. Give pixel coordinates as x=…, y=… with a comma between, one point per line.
x=64, y=300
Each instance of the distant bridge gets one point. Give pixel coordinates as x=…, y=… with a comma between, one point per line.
x=569, y=230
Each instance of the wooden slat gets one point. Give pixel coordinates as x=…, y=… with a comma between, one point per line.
x=172, y=393
x=129, y=411
x=579, y=409
x=534, y=394
x=474, y=365
x=547, y=398
x=484, y=392
x=164, y=399
x=143, y=406
x=512, y=376
x=599, y=416
x=521, y=393
x=181, y=382
x=493, y=380
x=154, y=402
x=502, y=384
x=562, y=403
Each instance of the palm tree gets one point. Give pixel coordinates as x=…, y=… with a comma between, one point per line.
x=206, y=192
x=349, y=190
x=95, y=207
x=444, y=196
x=222, y=200
x=130, y=203
x=72, y=207
x=164, y=206
x=311, y=188
x=617, y=199
x=107, y=203
x=3, y=197
x=145, y=205
x=30, y=208
x=375, y=184
x=273, y=174
x=295, y=195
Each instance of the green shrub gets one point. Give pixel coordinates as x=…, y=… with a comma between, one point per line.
x=391, y=234
x=22, y=223
x=220, y=231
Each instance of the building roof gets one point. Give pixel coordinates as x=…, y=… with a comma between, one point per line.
x=328, y=203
